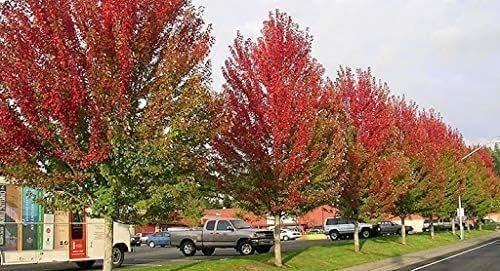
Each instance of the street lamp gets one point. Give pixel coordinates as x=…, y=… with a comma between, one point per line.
x=460, y=214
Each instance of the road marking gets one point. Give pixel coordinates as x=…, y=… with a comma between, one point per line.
x=453, y=256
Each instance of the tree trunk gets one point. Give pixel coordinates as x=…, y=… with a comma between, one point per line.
x=356, y=236
x=403, y=231
x=453, y=230
x=480, y=225
x=277, y=241
x=432, y=229
x=107, y=264
x=468, y=226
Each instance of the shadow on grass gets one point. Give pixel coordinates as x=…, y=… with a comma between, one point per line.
x=183, y=267
x=292, y=254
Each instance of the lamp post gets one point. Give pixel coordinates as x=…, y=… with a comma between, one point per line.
x=459, y=198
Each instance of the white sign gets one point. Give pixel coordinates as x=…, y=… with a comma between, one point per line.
x=48, y=232
x=460, y=212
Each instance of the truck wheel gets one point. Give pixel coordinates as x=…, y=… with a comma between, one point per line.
x=286, y=238
x=117, y=256
x=188, y=248
x=85, y=264
x=152, y=244
x=334, y=235
x=208, y=251
x=398, y=232
x=263, y=249
x=365, y=233
x=246, y=248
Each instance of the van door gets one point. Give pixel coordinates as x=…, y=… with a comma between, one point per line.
x=77, y=240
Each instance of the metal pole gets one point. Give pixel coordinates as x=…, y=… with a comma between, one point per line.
x=460, y=218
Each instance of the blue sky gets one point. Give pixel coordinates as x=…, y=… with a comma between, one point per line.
x=442, y=54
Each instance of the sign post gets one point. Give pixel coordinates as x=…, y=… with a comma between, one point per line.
x=460, y=213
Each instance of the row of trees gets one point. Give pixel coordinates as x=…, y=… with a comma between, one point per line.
x=100, y=98
x=291, y=139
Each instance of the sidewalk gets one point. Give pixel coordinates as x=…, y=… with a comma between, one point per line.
x=398, y=262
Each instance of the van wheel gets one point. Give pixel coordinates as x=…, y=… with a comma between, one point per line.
x=208, y=251
x=85, y=264
x=117, y=256
x=334, y=235
x=188, y=248
x=365, y=233
x=246, y=248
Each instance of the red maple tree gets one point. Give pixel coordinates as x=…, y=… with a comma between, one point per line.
x=438, y=143
x=280, y=148
x=84, y=83
x=373, y=159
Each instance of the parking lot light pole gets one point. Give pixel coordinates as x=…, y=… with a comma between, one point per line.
x=459, y=198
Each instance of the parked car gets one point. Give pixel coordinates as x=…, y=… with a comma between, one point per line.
x=440, y=224
x=223, y=233
x=314, y=230
x=144, y=237
x=135, y=240
x=161, y=238
x=389, y=227
x=336, y=228
x=287, y=234
x=139, y=238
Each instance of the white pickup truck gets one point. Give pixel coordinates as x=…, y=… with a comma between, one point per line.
x=223, y=233
x=339, y=227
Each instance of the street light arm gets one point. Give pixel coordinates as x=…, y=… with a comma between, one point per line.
x=472, y=152
x=478, y=148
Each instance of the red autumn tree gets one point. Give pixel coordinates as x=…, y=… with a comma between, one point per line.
x=280, y=147
x=90, y=94
x=440, y=149
x=403, y=186
x=373, y=160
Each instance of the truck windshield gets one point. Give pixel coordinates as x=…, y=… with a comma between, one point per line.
x=240, y=224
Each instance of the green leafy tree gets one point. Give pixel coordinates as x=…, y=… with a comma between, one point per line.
x=495, y=153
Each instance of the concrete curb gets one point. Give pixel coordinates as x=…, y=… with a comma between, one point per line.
x=402, y=261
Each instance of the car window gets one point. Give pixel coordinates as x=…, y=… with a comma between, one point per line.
x=342, y=221
x=240, y=224
x=331, y=221
x=210, y=225
x=222, y=225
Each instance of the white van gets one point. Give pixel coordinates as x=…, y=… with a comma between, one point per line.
x=29, y=234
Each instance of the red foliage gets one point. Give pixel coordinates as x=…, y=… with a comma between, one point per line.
x=281, y=121
x=73, y=73
x=373, y=158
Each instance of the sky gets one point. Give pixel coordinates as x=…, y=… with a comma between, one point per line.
x=443, y=55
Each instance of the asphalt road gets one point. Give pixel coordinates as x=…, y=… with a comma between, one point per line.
x=484, y=257
x=145, y=256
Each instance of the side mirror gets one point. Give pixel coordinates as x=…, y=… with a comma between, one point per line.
x=229, y=228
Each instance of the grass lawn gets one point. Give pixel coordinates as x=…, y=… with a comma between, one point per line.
x=330, y=256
